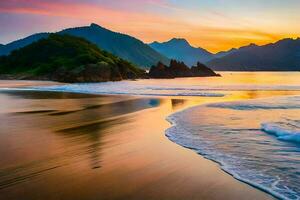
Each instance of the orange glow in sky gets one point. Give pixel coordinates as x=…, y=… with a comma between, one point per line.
x=215, y=25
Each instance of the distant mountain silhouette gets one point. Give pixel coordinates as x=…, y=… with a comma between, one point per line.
x=224, y=53
x=180, y=49
x=283, y=55
x=121, y=45
x=8, y=48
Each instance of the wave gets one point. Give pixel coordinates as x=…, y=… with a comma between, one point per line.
x=116, y=89
x=281, y=133
x=163, y=88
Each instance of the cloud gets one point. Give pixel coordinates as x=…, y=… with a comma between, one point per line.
x=103, y=11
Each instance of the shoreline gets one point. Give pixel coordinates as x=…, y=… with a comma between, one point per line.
x=190, y=167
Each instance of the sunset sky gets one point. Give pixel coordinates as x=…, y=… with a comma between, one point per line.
x=212, y=24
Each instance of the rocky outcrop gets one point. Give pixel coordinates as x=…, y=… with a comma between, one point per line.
x=201, y=70
x=179, y=69
x=160, y=71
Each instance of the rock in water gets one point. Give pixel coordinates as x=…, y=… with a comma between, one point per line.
x=179, y=69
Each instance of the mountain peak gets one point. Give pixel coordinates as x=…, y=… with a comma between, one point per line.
x=180, y=49
x=97, y=26
x=179, y=41
x=252, y=45
x=154, y=43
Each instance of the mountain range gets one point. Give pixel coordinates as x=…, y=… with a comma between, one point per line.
x=121, y=45
x=283, y=55
x=180, y=49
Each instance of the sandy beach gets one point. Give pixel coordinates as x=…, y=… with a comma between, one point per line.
x=77, y=146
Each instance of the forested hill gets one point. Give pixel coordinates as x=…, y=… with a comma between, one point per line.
x=68, y=59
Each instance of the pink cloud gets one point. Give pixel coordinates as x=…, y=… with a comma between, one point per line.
x=138, y=5
x=80, y=10
x=134, y=22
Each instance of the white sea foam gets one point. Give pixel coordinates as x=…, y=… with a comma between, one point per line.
x=125, y=88
x=281, y=133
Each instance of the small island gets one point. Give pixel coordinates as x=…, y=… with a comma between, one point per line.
x=179, y=69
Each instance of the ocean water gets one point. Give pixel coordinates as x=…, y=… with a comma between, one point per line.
x=251, y=127
x=256, y=141
x=195, y=87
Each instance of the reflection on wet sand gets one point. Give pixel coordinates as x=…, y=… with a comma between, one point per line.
x=177, y=103
x=84, y=126
x=91, y=134
x=73, y=146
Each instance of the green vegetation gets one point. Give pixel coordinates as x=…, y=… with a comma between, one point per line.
x=65, y=55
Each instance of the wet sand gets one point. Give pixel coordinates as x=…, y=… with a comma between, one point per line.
x=77, y=146
x=25, y=83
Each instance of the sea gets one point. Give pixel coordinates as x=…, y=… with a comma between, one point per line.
x=250, y=124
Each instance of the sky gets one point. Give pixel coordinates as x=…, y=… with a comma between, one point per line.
x=215, y=25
